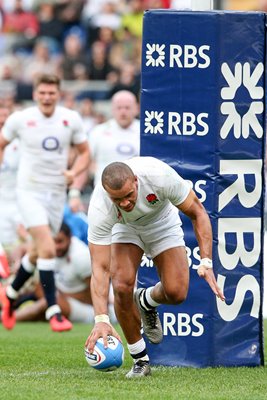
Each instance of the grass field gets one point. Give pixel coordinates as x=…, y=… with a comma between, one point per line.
x=37, y=364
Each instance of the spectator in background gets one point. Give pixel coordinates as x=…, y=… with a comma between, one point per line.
x=9, y=67
x=50, y=25
x=39, y=62
x=99, y=66
x=133, y=19
x=125, y=47
x=115, y=140
x=106, y=17
x=68, y=100
x=69, y=12
x=75, y=59
x=22, y=25
x=46, y=132
x=106, y=36
x=128, y=80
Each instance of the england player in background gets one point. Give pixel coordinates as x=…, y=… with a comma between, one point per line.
x=9, y=215
x=117, y=139
x=46, y=131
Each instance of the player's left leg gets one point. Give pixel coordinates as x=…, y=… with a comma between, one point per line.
x=172, y=266
x=173, y=270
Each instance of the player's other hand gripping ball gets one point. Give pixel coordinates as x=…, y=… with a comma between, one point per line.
x=107, y=359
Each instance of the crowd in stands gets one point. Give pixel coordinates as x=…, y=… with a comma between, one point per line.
x=82, y=40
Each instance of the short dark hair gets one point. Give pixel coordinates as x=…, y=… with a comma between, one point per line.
x=50, y=79
x=116, y=174
x=65, y=229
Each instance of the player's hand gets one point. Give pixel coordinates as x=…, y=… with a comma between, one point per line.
x=208, y=275
x=69, y=176
x=101, y=329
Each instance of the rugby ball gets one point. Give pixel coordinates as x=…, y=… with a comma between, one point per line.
x=107, y=359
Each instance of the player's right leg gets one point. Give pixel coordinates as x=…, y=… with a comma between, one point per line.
x=45, y=246
x=125, y=259
x=9, y=294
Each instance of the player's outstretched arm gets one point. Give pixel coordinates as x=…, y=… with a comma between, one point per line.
x=193, y=208
x=100, y=281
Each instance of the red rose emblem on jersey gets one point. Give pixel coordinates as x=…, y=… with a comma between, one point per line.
x=152, y=198
x=65, y=123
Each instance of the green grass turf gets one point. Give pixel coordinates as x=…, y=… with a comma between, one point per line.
x=38, y=364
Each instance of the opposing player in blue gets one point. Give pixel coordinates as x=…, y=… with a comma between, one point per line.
x=135, y=210
x=46, y=131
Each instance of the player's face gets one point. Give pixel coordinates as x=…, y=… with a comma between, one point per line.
x=62, y=243
x=124, y=111
x=125, y=198
x=46, y=96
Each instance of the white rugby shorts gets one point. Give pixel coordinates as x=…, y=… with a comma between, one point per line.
x=9, y=221
x=41, y=208
x=153, y=238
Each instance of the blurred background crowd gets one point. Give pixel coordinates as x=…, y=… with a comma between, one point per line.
x=93, y=45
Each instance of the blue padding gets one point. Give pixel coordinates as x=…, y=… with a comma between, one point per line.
x=203, y=112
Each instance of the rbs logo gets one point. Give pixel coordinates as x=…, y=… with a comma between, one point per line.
x=185, y=123
x=186, y=56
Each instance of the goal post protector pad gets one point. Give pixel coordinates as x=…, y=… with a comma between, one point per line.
x=203, y=112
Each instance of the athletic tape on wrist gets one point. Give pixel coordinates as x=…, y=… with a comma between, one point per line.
x=74, y=193
x=206, y=262
x=102, y=318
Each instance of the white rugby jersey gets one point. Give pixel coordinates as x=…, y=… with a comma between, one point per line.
x=8, y=171
x=160, y=188
x=73, y=268
x=45, y=143
x=110, y=142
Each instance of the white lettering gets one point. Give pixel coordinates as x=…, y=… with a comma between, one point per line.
x=200, y=191
x=189, y=56
x=189, y=127
x=203, y=124
x=247, y=283
x=190, y=59
x=238, y=188
x=182, y=324
x=174, y=121
x=197, y=324
x=187, y=124
x=204, y=56
x=239, y=227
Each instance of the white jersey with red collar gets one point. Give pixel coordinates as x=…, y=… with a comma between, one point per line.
x=45, y=143
x=160, y=188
